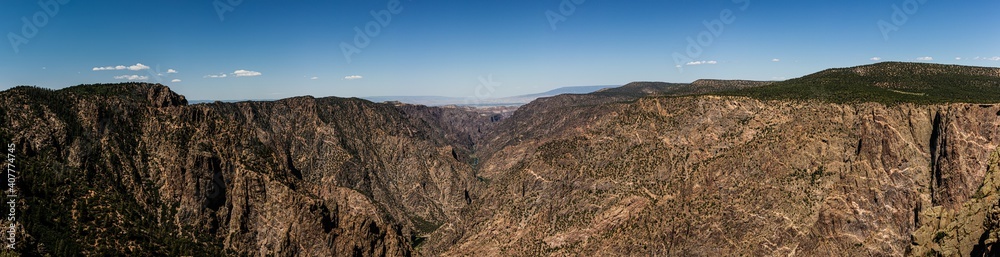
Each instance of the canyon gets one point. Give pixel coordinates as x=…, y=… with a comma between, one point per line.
x=882, y=159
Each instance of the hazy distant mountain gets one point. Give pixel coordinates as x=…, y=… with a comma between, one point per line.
x=421, y=100
x=449, y=100
x=226, y=101
x=512, y=100
x=523, y=99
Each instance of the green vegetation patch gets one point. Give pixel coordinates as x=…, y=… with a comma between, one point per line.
x=887, y=83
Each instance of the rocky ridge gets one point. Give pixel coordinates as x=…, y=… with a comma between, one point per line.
x=299, y=176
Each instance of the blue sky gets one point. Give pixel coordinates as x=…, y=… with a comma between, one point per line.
x=277, y=49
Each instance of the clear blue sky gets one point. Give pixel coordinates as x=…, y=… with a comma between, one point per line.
x=277, y=49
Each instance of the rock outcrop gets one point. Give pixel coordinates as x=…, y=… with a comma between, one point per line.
x=299, y=176
x=712, y=175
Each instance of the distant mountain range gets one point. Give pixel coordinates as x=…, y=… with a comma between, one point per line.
x=461, y=101
x=472, y=101
x=228, y=101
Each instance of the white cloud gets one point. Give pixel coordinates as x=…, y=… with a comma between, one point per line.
x=925, y=58
x=353, y=77
x=876, y=58
x=314, y=78
x=171, y=71
x=775, y=60
x=175, y=80
x=237, y=73
x=701, y=62
x=994, y=58
x=132, y=77
x=137, y=66
x=246, y=73
x=958, y=58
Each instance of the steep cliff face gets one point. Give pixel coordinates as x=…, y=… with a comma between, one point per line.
x=299, y=176
x=714, y=175
x=848, y=167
